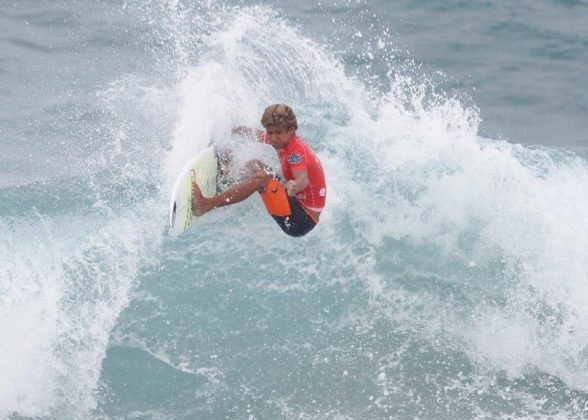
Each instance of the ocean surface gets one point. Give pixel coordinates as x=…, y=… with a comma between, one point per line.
x=448, y=278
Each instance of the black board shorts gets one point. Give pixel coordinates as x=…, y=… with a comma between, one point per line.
x=288, y=213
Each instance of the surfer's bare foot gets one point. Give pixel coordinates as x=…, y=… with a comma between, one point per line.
x=200, y=204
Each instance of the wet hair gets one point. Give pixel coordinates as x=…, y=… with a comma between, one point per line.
x=279, y=114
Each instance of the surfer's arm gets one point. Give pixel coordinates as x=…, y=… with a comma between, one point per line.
x=299, y=182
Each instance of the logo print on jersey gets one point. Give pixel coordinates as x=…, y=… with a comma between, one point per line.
x=323, y=192
x=294, y=158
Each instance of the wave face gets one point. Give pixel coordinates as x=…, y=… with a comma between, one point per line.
x=447, y=278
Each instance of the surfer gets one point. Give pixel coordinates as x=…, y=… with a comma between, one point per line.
x=294, y=201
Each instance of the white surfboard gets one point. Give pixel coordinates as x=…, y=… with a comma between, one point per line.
x=203, y=168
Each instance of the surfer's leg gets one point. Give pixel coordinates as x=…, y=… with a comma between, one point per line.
x=256, y=182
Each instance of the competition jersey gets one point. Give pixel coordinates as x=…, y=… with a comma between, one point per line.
x=298, y=155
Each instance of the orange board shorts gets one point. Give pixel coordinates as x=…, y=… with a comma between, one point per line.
x=288, y=213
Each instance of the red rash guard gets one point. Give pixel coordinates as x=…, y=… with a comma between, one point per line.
x=298, y=155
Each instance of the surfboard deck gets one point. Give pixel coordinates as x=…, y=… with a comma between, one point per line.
x=204, y=169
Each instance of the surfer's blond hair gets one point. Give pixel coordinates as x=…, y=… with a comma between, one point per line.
x=279, y=114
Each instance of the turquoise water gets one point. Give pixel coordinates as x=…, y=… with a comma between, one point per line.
x=447, y=278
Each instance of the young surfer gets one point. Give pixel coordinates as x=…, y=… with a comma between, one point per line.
x=294, y=202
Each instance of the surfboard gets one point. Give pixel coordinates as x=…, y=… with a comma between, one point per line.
x=203, y=168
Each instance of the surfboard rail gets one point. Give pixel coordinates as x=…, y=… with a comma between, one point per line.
x=203, y=169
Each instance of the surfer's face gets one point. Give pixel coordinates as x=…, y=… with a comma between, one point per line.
x=278, y=136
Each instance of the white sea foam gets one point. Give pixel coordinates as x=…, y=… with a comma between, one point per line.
x=64, y=282
x=410, y=166
x=416, y=196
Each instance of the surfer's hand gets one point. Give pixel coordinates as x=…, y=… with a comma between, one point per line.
x=291, y=187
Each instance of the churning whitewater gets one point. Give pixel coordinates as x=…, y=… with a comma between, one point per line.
x=446, y=279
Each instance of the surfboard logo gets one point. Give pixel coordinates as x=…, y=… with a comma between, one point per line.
x=294, y=158
x=173, y=217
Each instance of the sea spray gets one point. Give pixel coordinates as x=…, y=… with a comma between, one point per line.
x=444, y=280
